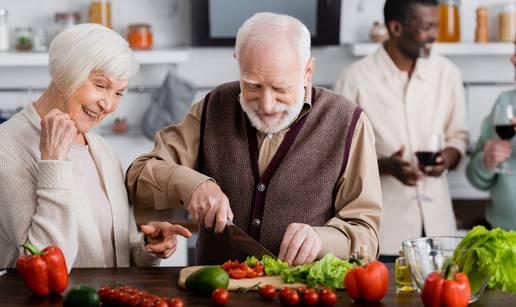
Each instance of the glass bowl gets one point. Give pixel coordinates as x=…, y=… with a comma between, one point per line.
x=426, y=255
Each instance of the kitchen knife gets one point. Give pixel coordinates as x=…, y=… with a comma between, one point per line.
x=244, y=242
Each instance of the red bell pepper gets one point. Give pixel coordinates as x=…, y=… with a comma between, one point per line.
x=450, y=290
x=43, y=272
x=368, y=283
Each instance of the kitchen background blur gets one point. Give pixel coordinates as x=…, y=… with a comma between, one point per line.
x=172, y=24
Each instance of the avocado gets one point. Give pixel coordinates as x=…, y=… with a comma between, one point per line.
x=207, y=279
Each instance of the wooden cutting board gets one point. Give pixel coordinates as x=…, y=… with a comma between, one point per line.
x=235, y=284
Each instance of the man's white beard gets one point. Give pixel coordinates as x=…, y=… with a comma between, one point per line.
x=290, y=113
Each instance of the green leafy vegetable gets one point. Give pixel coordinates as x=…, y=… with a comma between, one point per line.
x=328, y=271
x=251, y=261
x=273, y=266
x=488, y=253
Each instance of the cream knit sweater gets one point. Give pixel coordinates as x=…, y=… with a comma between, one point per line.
x=40, y=204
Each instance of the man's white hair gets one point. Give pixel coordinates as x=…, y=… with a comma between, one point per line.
x=76, y=52
x=264, y=28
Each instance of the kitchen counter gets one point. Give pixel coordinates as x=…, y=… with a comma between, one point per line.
x=163, y=281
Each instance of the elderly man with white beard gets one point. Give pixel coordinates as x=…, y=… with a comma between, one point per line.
x=291, y=164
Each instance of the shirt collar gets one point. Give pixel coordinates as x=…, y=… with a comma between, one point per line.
x=32, y=115
x=389, y=68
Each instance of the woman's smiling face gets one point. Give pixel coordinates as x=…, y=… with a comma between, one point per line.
x=98, y=96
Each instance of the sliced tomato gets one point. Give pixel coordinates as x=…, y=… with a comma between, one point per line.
x=237, y=273
x=238, y=270
x=258, y=269
x=251, y=274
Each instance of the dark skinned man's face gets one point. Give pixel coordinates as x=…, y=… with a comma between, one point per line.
x=419, y=31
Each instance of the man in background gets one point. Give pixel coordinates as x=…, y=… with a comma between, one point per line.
x=409, y=95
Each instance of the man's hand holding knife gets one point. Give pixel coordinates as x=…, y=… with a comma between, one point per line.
x=208, y=204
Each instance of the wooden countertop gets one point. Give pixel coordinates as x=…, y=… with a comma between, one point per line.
x=163, y=281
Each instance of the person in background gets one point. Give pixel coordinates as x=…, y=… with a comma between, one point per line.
x=291, y=164
x=409, y=95
x=490, y=152
x=61, y=184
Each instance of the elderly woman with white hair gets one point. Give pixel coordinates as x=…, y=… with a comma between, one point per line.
x=61, y=184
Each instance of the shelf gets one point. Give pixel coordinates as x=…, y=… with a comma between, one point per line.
x=157, y=56
x=459, y=49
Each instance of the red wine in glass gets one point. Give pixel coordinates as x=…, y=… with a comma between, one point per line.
x=505, y=132
x=427, y=158
x=503, y=122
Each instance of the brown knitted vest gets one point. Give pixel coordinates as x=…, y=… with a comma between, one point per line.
x=299, y=184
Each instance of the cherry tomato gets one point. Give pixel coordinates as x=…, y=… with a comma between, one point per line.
x=124, y=298
x=104, y=293
x=310, y=297
x=115, y=297
x=134, y=300
x=220, y=296
x=328, y=297
x=131, y=290
x=284, y=290
x=291, y=298
x=302, y=289
x=161, y=303
x=283, y=293
x=176, y=302
x=148, y=301
x=146, y=304
x=268, y=292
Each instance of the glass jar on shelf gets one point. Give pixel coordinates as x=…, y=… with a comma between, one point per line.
x=65, y=20
x=100, y=12
x=23, y=38
x=140, y=36
x=449, y=21
x=507, y=23
x=4, y=31
x=39, y=40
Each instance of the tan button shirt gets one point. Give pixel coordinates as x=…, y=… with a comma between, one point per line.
x=166, y=178
x=404, y=111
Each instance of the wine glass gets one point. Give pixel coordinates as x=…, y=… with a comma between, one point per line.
x=504, y=127
x=427, y=155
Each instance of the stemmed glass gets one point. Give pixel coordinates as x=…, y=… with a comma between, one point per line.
x=504, y=127
x=427, y=155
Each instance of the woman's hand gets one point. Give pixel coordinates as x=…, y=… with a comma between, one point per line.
x=495, y=152
x=57, y=135
x=162, y=237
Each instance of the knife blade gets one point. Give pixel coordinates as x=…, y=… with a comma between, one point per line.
x=243, y=241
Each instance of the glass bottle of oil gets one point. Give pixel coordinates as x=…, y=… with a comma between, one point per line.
x=449, y=23
x=404, y=281
x=363, y=254
x=100, y=12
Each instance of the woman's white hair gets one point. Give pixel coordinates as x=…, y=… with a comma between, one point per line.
x=76, y=52
x=262, y=27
